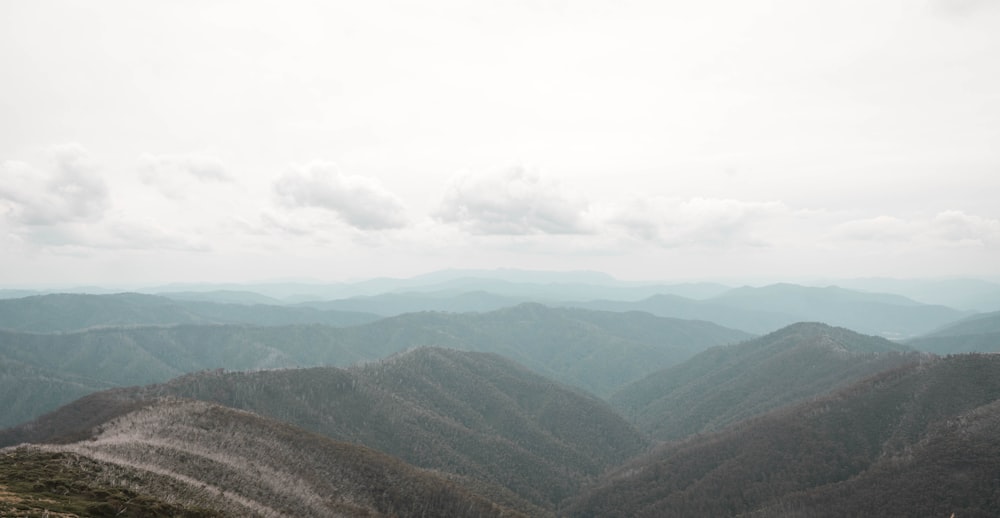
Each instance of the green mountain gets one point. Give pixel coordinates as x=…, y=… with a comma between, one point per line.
x=979, y=333
x=729, y=383
x=67, y=312
x=919, y=440
x=598, y=352
x=209, y=460
x=519, y=436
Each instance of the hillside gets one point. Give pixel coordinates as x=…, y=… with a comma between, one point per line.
x=594, y=351
x=915, y=441
x=67, y=312
x=205, y=456
x=979, y=333
x=728, y=383
x=474, y=415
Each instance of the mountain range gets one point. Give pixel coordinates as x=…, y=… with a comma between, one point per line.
x=216, y=405
x=594, y=351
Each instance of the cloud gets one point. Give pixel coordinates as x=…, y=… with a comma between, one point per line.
x=880, y=229
x=176, y=175
x=950, y=227
x=672, y=222
x=512, y=201
x=955, y=226
x=358, y=201
x=69, y=190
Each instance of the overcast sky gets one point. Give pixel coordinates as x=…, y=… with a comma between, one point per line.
x=233, y=141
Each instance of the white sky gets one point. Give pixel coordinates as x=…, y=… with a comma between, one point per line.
x=227, y=141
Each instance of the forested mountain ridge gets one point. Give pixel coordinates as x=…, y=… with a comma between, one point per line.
x=234, y=463
x=474, y=415
x=725, y=384
x=591, y=350
x=594, y=350
x=919, y=440
x=67, y=312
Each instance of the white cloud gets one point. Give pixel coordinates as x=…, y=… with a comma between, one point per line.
x=672, y=222
x=359, y=201
x=956, y=226
x=880, y=229
x=946, y=228
x=177, y=175
x=512, y=201
x=69, y=190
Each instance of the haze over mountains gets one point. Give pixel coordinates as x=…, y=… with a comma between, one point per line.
x=536, y=399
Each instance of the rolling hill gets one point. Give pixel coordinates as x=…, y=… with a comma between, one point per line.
x=205, y=459
x=919, y=440
x=729, y=383
x=473, y=415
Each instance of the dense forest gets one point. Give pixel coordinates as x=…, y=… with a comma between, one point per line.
x=235, y=404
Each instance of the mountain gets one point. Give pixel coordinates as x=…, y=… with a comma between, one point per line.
x=675, y=306
x=524, y=285
x=69, y=312
x=892, y=316
x=598, y=352
x=964, y=294
x=223, y=297
x=593, y=350
x=73, y=312
x=729, y=383
x=979, y=333
x=43, y=371
x=219, y=460
x=473, y=415
x=919, y=440
x=27, y=390
x=393, y=304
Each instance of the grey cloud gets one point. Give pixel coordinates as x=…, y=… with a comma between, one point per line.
x=69, y=190
x=358, y=201
x=513, y=201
